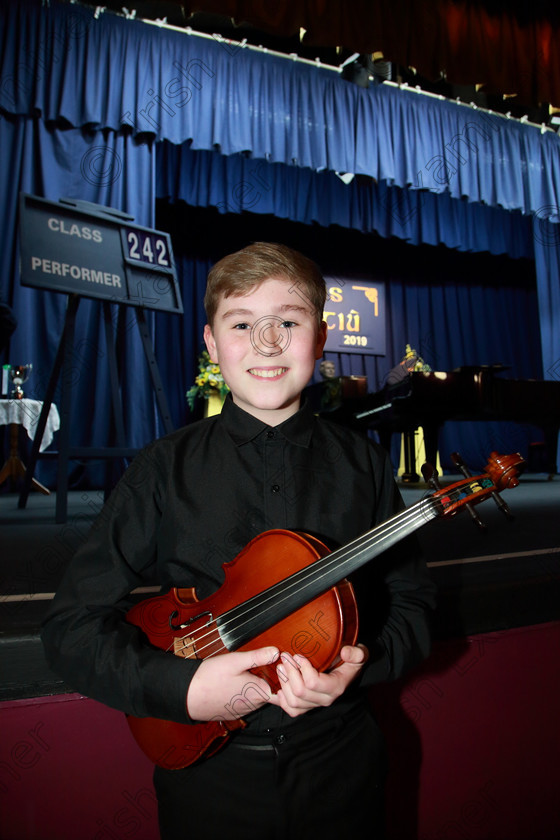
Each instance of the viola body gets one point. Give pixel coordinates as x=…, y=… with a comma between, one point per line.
x=181, y=624
x=284, y=590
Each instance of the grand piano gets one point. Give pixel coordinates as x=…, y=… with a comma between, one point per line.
x=467, y=393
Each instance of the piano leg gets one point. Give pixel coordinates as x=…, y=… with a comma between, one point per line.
x=410, y=475
x=431, y=435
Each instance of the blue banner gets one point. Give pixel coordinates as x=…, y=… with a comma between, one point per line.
x=356, y=316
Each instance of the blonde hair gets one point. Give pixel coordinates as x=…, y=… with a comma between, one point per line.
x=241, y=272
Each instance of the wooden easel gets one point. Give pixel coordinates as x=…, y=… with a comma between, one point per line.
x=63, y=365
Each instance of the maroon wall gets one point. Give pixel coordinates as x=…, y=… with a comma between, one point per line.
x=474, y=740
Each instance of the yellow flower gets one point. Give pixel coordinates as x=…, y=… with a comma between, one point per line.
x=209, y=379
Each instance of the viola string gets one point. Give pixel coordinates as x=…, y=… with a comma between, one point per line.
x=259, y=607
x=415, y=514
x=309, y=574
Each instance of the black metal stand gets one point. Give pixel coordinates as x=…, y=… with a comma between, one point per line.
x=63, y=364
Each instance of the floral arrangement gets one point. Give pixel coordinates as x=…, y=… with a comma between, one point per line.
x=413, y=361
x=208, y=382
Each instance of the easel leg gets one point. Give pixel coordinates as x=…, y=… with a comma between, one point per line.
x=72, y=307
x=157, y=384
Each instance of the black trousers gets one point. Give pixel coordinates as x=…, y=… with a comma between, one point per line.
x=323, y=781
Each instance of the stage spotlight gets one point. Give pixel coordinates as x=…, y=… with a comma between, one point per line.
x=363, y=69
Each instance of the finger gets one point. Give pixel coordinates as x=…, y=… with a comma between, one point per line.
x=288, y=670
x=296, y=699
x=291, y=678
x=257, y=658
x=354, y=654
x=310, y=677
x=301, y=683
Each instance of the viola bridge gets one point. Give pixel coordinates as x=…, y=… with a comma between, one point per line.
x=184, y=646
x=281, y=582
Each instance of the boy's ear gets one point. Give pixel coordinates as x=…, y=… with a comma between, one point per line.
x=321, y=339
x=210, y=343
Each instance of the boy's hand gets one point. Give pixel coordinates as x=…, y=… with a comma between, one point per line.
x=305, y=688
x=223, y=687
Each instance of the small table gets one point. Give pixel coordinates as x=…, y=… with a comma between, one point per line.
x=26, y=413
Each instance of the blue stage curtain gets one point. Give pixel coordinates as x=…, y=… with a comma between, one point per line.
x=64, y=63
x=474, y=320
x=547, y=260
x=178, y=339
x=108, y=169
x=236, y=184
x=456, y=310
x=443, y=172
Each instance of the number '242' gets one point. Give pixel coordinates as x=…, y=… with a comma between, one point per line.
x=147, y=249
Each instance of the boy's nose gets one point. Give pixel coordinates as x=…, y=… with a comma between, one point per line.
x=268, y=337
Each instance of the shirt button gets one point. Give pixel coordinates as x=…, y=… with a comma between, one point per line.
x=280, y=739
x=275, y=488
x=271, y=433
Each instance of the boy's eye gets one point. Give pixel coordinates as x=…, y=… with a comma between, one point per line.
x=244, y=326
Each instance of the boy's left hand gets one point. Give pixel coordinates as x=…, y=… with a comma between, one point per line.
x=304, y=688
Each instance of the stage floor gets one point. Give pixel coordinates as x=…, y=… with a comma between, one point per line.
x=508, y=576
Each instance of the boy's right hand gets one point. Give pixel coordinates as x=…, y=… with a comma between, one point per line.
x=223, y=688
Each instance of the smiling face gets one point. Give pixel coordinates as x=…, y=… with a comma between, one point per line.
x=266, y=343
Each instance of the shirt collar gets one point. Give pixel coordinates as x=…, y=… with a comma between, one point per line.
x=243, y=427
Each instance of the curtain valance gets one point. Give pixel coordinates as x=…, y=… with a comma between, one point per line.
x=218, y=96
x=236, y=184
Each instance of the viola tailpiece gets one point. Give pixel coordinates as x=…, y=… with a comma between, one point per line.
x=288, y=590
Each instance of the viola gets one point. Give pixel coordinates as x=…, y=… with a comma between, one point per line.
x=288, y=590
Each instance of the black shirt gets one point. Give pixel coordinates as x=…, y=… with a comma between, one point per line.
x=188, y=504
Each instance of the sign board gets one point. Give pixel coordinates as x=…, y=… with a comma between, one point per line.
x=95, y=251
x=356, y=316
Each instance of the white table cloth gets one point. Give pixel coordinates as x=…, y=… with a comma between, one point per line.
x=26, y=413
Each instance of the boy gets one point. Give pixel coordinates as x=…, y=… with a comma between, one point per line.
x=311, y=757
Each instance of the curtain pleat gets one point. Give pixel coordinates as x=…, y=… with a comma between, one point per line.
x=85, y=101
x=217, y=96
x=456, y=310
x=236, y=184
x=104, y=168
